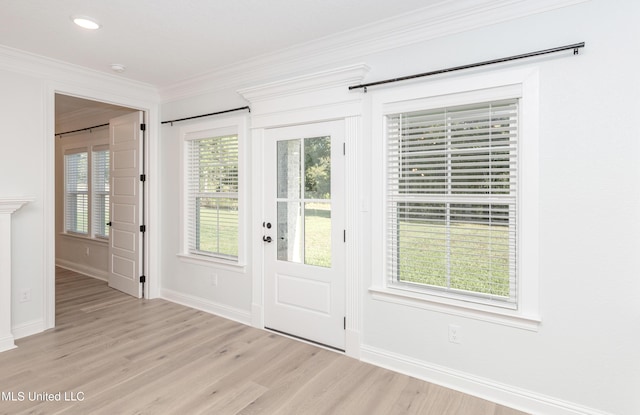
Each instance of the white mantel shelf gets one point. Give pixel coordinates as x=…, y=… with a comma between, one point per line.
x=7, y=207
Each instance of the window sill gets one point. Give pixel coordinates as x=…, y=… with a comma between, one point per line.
x=454, y=307
x=85, y=238
x=213, y=262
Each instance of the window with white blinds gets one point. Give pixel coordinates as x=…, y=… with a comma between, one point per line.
x=212, y=196
x=100, y=191
x=76, y=192
x=452, y=183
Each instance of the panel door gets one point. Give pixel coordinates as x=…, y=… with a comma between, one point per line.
x=125, y=239
x=304, y=232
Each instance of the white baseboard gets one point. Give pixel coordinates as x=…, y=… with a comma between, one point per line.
x=83, y=269
x=231, y=313
x=6, y=343
x=29, y=328
x=513, y=397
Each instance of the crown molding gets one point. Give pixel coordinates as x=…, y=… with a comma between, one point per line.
x=441, y=19
x=322, y=80
x=38, y=66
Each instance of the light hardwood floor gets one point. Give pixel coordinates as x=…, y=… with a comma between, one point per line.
x=128, y=356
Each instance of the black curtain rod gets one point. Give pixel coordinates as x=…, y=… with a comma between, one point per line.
x=82, y=129
x=206, y=115
x=575, y=47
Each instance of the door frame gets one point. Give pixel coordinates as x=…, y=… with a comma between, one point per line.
x=150, y=107
x=317, y=97
x=336, y=130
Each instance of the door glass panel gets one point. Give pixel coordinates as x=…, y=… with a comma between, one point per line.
x=304, y=201
x=290, y=231
x=289, y=169
x=317, y=238
x=317, y=168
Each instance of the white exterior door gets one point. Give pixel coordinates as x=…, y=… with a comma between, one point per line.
x=125, y=236
x=304, y=232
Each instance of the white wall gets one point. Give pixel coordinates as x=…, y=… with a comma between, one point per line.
x=585, y=355
x=188, y=282
x=27, y=158
x=21, y=174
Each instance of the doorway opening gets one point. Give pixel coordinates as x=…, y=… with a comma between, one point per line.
x=99, y=191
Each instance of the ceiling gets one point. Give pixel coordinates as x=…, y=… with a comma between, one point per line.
x=163, y=42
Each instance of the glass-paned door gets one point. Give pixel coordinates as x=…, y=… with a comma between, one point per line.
x=304, y=231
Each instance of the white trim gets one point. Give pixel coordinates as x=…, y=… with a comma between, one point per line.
x=452, y=307
x=92, y=272
x=459, y=90
x=7, y=207
x=85, y=238
x=503, y=394
x=238, y=124
x=211, y=307
x=7, y=343
x=437, y=20
x=313, y=98
x=73, y=81
x=354, y=251
x=28, y=329
x=213, y=262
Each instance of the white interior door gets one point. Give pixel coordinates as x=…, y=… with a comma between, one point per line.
x=125, y=237
x=304, y=232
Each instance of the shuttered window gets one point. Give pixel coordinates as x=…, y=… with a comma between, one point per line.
x=76, y=191
x=451, y=201
x=212, y=195
x=100, y=190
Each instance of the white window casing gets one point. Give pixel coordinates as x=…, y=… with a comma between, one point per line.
x=457, y=204
x=213, y=217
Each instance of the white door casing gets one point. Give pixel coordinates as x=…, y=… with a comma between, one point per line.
x=304, y=262
x=125, y=236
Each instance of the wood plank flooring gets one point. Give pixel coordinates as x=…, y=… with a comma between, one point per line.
x=118, y=355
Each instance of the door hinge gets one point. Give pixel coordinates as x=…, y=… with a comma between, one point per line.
x=143, y=279
x=143, y=127
x=345, y=323
x=344, y=149
x=143, y=177
x=143, y=228
x=344, y=235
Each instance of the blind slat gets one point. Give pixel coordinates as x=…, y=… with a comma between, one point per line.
x=212, y=191
x=451, y=199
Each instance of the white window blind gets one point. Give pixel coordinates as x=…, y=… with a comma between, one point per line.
x=451, y=201
x=212, y=196
x=76, y=192
x=100, y=183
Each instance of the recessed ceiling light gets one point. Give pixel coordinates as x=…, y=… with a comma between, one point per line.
x=86, y=22
x=117, y=67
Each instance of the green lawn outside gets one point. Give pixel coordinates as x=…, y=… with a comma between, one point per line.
x=422, y=250
x=423, y=256
x=219, y=231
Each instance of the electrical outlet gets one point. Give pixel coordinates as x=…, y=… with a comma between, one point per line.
x=454, y=334
x=25, y=295
x=214, y=279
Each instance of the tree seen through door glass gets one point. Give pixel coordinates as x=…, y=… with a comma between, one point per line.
x=304, y=201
